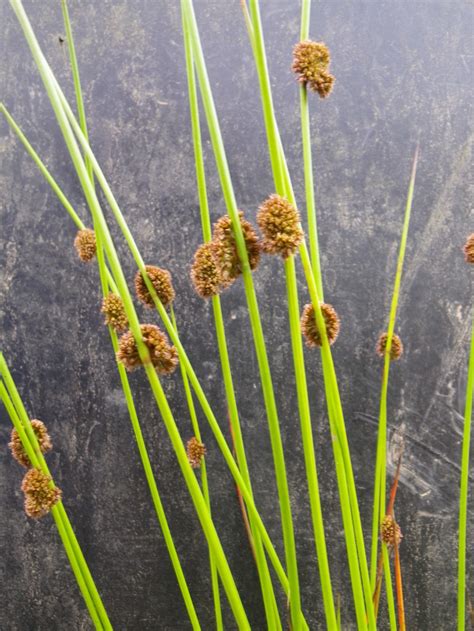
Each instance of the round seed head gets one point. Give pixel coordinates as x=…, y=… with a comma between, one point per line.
x=469, y=249
x=311, y=63
x=163, y=356
x=39, y=496
x=309, y=325
x=161, y=281
x=280, y=223
x=390, y=531
x=396, y=350
x=44, y=441
x=114, y=312
x=196, y=452
x=85, y=245
x=205, y=271
x=226, y=252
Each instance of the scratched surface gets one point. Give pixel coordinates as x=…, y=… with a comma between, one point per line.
x=404, y=71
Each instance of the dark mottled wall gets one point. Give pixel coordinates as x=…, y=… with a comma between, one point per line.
x=404, y=72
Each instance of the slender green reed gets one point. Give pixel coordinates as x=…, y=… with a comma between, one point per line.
x=271, y=611
x=381, y=457
x=20, y=420
x=464, y=490
x=252, y=303
x=188, y=474
x=77, y=82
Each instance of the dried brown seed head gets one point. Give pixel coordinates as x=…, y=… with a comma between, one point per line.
x=311, y=62
x=114, y=311
x=309, y=325
x=163, y=356
x=44, y=441
x=205, y=271
x=279, y=221
x=390, y=531
x=85, y=244
x=161, y=281
x=196, y=452
x=40, y=497
x=469, y=249
x=226, y=251
x=396, y=350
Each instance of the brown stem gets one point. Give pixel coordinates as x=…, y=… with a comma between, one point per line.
x=399, y=588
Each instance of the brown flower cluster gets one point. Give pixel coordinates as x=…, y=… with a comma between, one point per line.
x=390, y=531
x=309, y=325
x=469, y=249
x=114, y=312
x=279, y=222
x=86, y=245
x=40, y=497
x=44, y=441
x=216, y=263
x=196, y=452
x=163, y=355
x=311, y=62
x=161, y=281
x=396, y=350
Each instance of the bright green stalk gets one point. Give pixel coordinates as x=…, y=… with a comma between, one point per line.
x=123, y=377
x=273, y=619
x=77, y=82
x=308, y=161
x=44, y=171
x=392, y=616
x=204, y=484
x=259, y=342
x=381, y=457
x=353, y=526
x=183, y=357
x=464, y=490
x=21, y=422
x=188, y=474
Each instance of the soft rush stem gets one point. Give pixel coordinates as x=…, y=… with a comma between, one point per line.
x=256, y=325
x=213, y=423
x=273, y=619
x=464, y=490
x=77, y=562
x=381, y=453
x=308, y=162
x=188, y=474
x=204, y=482
x=77, y=82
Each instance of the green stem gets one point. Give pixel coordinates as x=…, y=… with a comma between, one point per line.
x=464, y=490
x=204, y=483
x=21, y=422
x=271, y=611
x=308, y=162
x=77, y=82
x=188, y=474
x=257, y=331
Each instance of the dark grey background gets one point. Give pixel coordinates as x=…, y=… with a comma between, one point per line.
x=404, y=70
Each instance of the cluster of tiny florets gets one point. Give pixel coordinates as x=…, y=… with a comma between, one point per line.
x=114, y=312
x=86, y=245
x=309, y=326
x=44, y=441
x=163, y=355
x=161, y=281
x=469, y=249
x=40, y=497
x=390, y=531
x=311, y=62
x=205, y=271
x=216, y=263
x=195, y=451
x=279, y=222
x=396, y=349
